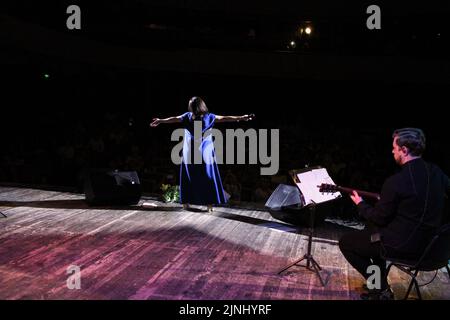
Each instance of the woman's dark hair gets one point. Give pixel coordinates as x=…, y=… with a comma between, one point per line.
x=197, y=106
x=411, y=138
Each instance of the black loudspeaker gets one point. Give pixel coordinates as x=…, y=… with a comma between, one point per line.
x=286, y=204
x=283, y=196
x=112, y=187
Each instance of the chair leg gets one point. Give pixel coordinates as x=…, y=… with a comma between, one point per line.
x=411, y=283
x=409, y=290
x=416, y=285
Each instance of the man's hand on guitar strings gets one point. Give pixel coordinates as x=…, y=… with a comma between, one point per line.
x=355, y=197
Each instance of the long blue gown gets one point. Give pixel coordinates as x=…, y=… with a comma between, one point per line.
x=200, y=184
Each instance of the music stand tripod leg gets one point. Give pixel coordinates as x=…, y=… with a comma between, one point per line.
x=311, y=264
x=314, y=263
x=317, y=269
x=4, y=215
x=292, y=264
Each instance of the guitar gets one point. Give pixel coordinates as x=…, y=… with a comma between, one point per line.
x=331, y=188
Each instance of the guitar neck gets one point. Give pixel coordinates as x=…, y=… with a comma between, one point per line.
x=363, y=194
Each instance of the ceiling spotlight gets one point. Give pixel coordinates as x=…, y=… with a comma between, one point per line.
x=308, y=30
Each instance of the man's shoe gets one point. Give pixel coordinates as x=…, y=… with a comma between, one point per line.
x=376, y=294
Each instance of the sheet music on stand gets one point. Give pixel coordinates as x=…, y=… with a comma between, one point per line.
x=308, y=183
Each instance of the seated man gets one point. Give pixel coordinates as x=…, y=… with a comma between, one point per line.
x=403, y=221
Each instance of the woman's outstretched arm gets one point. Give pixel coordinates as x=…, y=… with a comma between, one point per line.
x=157, y=121
x=246, y=117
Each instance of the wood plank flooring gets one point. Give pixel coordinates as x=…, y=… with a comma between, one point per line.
x=163, y=252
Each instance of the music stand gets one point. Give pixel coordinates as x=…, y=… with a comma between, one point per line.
x=4, y=215
x=311, y=263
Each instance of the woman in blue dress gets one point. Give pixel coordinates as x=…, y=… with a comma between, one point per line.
x=200, y=182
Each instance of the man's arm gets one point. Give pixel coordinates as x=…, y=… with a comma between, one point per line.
x=384, y=210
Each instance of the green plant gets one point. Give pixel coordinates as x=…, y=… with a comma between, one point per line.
x=170, y=193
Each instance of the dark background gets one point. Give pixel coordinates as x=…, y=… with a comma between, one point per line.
x=77, y=99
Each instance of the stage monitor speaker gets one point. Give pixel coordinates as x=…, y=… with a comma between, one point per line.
x=112, y=187
x=284, y=196
x=286, y=204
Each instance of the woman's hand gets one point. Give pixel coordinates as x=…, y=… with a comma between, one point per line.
x=155, y=122
x=247, y=117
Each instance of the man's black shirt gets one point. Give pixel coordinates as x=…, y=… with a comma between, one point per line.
x=411, y=207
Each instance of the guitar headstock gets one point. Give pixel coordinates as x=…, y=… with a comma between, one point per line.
x=329, y=188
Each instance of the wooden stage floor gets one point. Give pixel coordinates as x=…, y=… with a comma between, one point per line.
x=163, y=252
